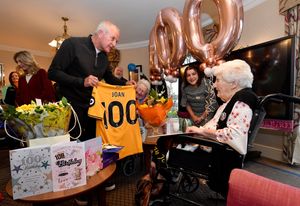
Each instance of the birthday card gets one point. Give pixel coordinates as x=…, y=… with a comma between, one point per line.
x=30, y=171
x=68, y=165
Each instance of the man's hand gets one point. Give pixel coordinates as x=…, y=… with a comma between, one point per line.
x=91, y=81
x=131, y=82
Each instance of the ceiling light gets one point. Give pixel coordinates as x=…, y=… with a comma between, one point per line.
x=59, y=39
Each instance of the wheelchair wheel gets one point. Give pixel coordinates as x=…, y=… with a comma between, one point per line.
x=189, y=183
x=129, y=167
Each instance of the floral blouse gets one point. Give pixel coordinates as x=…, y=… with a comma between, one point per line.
x=238, y=123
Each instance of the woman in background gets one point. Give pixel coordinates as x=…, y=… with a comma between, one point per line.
x=142, y=90
x=35, y=83
x=10, y=97
x=196, y=97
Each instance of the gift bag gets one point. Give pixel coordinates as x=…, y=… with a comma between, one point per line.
x=48, y=140
x=41, y=124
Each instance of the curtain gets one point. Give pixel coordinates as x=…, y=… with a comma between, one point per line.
x=291, y=141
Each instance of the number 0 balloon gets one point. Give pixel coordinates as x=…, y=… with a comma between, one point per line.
x=154, y=66
x=230, y=28
x=169, y=40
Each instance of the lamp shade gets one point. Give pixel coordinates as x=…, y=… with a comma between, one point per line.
x=59, y=39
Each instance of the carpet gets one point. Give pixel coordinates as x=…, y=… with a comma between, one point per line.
x=276, y=171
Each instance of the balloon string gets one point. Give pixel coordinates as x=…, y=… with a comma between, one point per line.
x=211, y=100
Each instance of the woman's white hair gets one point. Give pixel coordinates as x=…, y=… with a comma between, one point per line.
x=235, y=71
x=145, y=82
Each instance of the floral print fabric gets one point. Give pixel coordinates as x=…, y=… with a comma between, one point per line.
x=238, y=123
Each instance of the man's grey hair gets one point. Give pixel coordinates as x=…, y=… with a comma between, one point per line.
x=106, y=26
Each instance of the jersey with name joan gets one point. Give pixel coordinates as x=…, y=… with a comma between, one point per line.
x=114, y=108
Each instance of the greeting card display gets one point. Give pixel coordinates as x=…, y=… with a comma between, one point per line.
x=93, y=156
x=30, y=171
x=68, y=165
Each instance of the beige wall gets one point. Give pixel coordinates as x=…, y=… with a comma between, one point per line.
x=137, y=56
x=263, y=23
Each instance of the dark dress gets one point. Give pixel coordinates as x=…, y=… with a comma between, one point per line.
x=10, y=97
x=38, y=87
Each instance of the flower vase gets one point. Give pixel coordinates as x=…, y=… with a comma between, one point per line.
x=156, y=130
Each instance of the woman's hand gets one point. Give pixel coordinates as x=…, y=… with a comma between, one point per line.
x=194, y=129
x=197, y=120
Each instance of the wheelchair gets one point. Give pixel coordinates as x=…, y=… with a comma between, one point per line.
x=213, y=165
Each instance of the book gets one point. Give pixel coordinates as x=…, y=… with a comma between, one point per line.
x=110, y=148
x=30, y=171
x=93, y=156
x=68, y=165
x=110, y=153
x=109, y=158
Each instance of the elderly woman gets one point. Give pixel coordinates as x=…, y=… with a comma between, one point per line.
x=231, y=122
x=142, y=90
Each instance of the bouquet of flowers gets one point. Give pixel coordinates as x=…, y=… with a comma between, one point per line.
x=45, y=120
x=155, y=108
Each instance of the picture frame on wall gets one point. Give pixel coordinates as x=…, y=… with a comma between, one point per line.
x=136, y=73
x=139, y=68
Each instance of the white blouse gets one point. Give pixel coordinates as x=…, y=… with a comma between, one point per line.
x=238, y=123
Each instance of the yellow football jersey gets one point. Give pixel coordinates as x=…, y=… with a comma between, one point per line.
x=115, y=110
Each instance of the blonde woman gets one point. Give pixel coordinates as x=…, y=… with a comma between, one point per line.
x=35, y=83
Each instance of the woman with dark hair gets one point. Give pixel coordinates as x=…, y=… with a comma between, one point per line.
x=35, y=83
x=10, y=97
x=196, y=97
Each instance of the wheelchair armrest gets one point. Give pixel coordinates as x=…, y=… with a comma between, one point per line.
x=166, y=141
x=199, y=139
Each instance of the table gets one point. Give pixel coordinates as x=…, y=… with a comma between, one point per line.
x=93, y=184
x=153, y=133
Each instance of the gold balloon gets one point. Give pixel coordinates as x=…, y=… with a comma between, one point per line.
x=202, y=67
x=175, y=73
x=221, y=61
x=167, y=72
x=231, y=16
x=158, y=78
x=169, y=40
x=152, y=78
x=211, y=61
x=182, y=69
x=154, y=65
